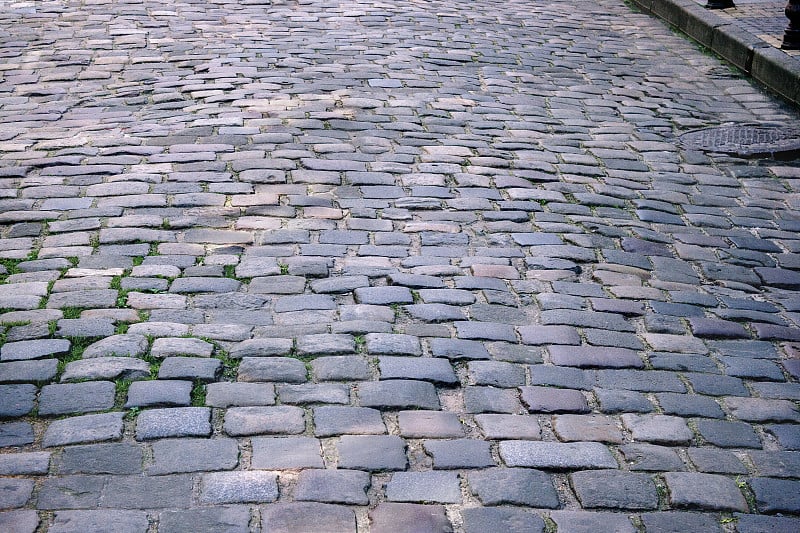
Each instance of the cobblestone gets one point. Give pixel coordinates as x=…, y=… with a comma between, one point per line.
x=409, y=267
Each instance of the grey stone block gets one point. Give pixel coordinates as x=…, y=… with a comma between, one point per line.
x=238, y=487
x=459, y=453
x=556, y=456
x=409, y=518
x=15, y=492
x=514, y=486
x=331, y=421
x=173, y=456
x=309, y=393
x=28, y=371
x=147, y=492
x=509, y=520
x=160, y=393
x=256, y=369
x=289, y=453
x=418, y=487
x=76, y=397
x=16, y=400
x=512, y=427
x=21, y=521
x=70, y=492
x=398, y=394
x=307, y=516
x=24, y=463
x=586, y=522
x=225, y=394
x=649, y=457
x=15, y=434
x=425, y=369
x=612, y=489
x=372, y=452
x=658, y=429
x=94, y=520
x=173, y=422
x=116, y=458
x=191, y=368
x=110, y=368
x=704, y=491
x=33, y=349
x=429, y=424
x=333, y=486
x=232, y=519
x=83, y=429
x=240, y=421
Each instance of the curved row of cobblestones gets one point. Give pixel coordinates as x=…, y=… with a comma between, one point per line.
x=409, y=266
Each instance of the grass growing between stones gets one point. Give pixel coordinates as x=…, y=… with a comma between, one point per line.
x=9, y=267
x=361, y=343
x=154, y=362
x=198, y=394
x=230, y=366
x=121, y=392
x=77, y=346
x=73, y=312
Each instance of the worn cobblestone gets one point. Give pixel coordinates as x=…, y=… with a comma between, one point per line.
x=405, y=266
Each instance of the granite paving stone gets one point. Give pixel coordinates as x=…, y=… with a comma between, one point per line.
x=459, y=453
x=397, y=266
x=101, y=368
x=780, y=464
x=258, y=420
x=408, y=517
x=272, y=453
x=553, y=400
x=371, y=452
x=666, y=521
x=333, y=486
x=775, y=495
x=513, y=486
x=268, y=369
x=589, y=521
x=556, y=456
x=160, y=393
x=704, y=491
x=398, y=394
x=418, y=487
x=171, y=456
x=658, y=429
x=238, y=487
x=76, y=398
x=73, y=521
x=19, y=521
x=173, y=422
x=332, y=420
x=478, y=519
x=16, y=400
x=235, y=519
x=612, y=489
x=83, y=429
x=113, y=458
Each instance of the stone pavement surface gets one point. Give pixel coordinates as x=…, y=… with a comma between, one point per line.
x=405, y=266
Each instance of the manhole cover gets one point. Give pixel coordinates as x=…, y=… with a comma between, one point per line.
x=745, y=140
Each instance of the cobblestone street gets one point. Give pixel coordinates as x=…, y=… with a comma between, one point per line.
x=388, y=267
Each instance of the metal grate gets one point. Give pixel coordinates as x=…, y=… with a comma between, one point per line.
x=745, y=141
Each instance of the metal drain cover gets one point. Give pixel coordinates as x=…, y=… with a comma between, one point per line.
x=745, y=140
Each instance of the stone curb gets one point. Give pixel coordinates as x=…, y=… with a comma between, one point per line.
x=767, y=64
